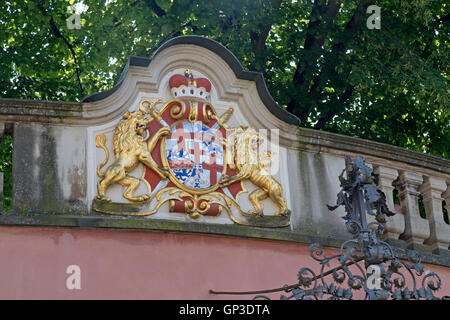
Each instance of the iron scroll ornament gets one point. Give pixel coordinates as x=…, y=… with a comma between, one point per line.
x=365, y=267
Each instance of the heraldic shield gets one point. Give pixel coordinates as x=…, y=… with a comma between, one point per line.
x=193, y=161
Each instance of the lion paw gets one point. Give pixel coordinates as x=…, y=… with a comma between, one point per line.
x=285, y=213
x=256, y=213
x=103, y=198
x=164, y=131
x=142, y=198
x=138, y=198
x=224, y=181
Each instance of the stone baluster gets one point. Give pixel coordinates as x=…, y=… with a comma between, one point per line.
x=432, y=190
x=395, y=225
x=417, y=229
x=446, y=196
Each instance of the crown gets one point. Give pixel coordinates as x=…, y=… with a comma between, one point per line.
x=186, y=86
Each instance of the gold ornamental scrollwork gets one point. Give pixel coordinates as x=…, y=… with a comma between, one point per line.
x=178, y=110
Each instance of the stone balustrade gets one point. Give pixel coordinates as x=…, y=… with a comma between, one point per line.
x=432, y=190
x=394, y=225
x=416, y=228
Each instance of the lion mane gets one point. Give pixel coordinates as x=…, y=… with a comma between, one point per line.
x=125, y=138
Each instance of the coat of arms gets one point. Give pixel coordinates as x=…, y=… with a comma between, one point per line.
x=193, y=161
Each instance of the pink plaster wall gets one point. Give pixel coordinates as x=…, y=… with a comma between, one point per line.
x=146, y=265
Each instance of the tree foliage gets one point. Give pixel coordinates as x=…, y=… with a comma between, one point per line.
x=318, y=57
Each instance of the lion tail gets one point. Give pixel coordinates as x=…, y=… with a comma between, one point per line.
x=100, y=142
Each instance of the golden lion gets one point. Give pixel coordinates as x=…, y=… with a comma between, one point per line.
x=250, y=165
x=129, y=150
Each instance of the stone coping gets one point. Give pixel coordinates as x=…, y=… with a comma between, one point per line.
x=311, y=139
x=160, y=225
x=66, y=113
x=12, y=110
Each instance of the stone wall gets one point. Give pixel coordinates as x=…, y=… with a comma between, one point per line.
x=123, y=264
x=50, y=188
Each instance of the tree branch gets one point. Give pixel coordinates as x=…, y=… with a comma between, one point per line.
x=427, y=50
x=258, y=38
x=57, y=33
x=171, y=35
x=337, y=49
x=307, y=63
x=155, y=8
x=330, y=114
